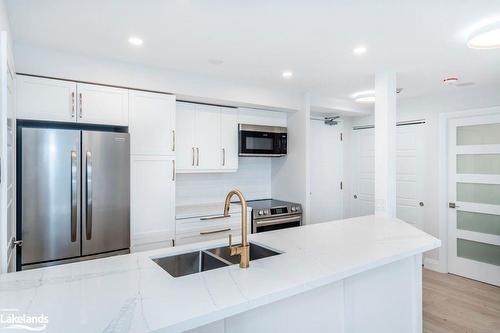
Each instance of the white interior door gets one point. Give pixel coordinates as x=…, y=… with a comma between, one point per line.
x=474, y=196
x=363, y=201
x=410, y=189
x=410, y=174
x=326, y=172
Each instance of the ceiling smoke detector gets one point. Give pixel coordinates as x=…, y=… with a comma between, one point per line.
x=450, y=80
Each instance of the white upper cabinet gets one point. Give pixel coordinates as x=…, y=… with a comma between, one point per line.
x=151, y=123
x=185, y=136
x=45, y=99
x=66, y=101
x=102, y=105
x=229, y=138
x=207, y=138
x=207, y=134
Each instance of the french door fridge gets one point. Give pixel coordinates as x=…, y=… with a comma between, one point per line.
x=75, y=188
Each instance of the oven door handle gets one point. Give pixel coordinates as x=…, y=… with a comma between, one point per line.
x=294, y=218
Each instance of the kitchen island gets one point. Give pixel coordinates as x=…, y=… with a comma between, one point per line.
x=355, y=275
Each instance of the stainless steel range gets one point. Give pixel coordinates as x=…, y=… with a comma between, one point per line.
x=269, y=214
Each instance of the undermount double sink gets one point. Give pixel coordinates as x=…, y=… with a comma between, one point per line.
x=205, y=260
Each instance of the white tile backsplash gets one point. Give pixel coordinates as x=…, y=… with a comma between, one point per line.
x=253, y=178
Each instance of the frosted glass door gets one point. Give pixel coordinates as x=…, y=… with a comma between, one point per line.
x=474, y=198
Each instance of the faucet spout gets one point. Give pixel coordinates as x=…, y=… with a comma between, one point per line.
x=242, y=250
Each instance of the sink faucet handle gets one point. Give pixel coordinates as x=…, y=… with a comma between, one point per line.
x=230, y=240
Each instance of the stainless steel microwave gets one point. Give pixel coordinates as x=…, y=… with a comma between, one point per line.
x=258, y=140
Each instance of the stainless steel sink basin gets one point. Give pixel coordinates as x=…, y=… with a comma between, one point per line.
x=256, y=252
x=189, y=263
x=204, y=260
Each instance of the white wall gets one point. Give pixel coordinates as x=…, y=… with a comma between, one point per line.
x=290, y=174
x=253, y=178
x=193, y=87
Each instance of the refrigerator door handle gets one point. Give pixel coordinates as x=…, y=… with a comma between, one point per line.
x=74, y=215
x=89, y=195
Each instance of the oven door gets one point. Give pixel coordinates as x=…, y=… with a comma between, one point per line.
x=253, y=143
x=276, y=223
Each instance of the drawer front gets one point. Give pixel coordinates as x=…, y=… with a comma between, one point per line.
x=194, y=226
x=206, y=235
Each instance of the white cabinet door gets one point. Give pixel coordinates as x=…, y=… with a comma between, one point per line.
x=207, y=131
x=185, y=146
x=45, y=99
x=102, y=105
x=151, y=123
x=152, y=200
x=229, y=138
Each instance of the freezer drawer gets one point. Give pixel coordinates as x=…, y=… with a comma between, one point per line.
x=50, y=199
x=105, y=192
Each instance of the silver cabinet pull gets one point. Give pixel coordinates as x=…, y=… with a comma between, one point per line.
x=173, y=140
x=223, y=156
x=173, y=170
x=81, y=105
x=72, y=104
x=193, y=157
x=73, y=196
x=214, y=231
x=88, y=193
x=197, y=156
x=214, y=217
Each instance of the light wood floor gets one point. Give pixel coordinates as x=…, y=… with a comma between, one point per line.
x=453, y=304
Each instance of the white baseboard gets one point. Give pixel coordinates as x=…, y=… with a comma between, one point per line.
x=433, y=265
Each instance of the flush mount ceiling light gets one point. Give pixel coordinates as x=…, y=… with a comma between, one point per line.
x=367, y=96
x=486, y=37
x=359, y=50
x=136, y=41
x=287, y=74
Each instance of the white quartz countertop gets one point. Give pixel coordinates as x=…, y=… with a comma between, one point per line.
x=130, y=293
x=205, y=209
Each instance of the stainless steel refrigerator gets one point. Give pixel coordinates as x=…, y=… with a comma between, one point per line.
x=75, y=195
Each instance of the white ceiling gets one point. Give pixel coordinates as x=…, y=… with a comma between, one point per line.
x=423, y=40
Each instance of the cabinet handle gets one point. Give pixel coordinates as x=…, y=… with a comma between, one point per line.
x=73, y=104
x=193, y=157
x=81, y=106
x=173, y=140
x=173, y=170
x=197, y=156
x=214, y=231
x=223, y=156
x=214, y=217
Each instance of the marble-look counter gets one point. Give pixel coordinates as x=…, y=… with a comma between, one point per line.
x=130, y=293
x=205, y=209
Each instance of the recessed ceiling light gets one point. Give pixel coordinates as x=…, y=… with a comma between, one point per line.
x=215, y=61
x=367, y=96
x=135, y=41
x=287, y=74
x=359, y=50
x=487, y=37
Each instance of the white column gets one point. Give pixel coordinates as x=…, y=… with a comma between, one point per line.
x=385, y=143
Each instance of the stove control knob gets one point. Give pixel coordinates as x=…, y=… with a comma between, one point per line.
x=297, y=209
x=261, y=212
x=294, y=209
x=266, y=212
